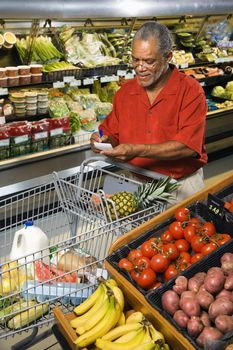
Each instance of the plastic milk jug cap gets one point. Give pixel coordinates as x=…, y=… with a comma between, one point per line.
x=28, y=223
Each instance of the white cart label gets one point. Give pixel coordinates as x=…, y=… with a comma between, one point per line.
x=57, y=131
x=41, y=135
x=3, y=91
x=20, y=139
x=58, y=84
x=68, y=79
x=4, y=143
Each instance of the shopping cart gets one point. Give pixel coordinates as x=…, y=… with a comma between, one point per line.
x=33, y=285
x=86, y=197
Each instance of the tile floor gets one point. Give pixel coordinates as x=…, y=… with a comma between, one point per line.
x=212, y=172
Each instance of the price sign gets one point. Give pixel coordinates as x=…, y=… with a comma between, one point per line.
x=68, y=79
x=121, y=73
x=105, y=79
x=58, y=84
x=129, y=76
x=114, y=78
x=184, y=65
x=215, y=205
x=3, y=91
x=202, y=83
x=2, y=120
x=88, y=81
x=75, y=82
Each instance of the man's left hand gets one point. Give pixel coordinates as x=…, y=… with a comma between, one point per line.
x=121, y=153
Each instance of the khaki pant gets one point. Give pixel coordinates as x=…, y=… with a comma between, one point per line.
x=189, y=186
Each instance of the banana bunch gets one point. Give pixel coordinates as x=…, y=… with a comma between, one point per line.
x=99, y=313
x=101, y=320
x=137, y=334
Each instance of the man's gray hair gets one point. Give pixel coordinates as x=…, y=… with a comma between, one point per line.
x=157, y=31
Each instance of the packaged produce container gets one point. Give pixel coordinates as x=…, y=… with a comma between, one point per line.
x=4, y=143
x=60, y=134
x=24, y=70
x=13, y=81
x=4, y=82
x=35, y=68
x=40, y=136
x=36, y=78
x=2, y=72
x=20, y=138
x=25, y=79
x=12, y=71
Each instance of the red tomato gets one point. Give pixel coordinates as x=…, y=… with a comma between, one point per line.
x=189, y=232
x=166, y=236
x=182, y=214
x=142, y=263
x=171, y=251
x=208, y=248
x=182, y=245
x=134, y=254
x=208, y=228
x=135, y=275
x=184, y=265
x=176, y=229
x=170, y=272
x=184, y=257
x=222, y=238
x=194, y=222
x=159, y=263
x=125, y=264
x=196, y=257
x=148, y=249
x=197, y=243
x=146, y=278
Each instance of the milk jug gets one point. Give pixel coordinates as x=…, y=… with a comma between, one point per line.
x=28, y=240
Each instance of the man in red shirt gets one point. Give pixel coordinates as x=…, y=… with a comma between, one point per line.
x=159, y=117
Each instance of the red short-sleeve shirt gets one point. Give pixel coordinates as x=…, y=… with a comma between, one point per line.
x=178, y=113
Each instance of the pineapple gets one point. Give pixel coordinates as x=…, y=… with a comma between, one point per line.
x=147, y=195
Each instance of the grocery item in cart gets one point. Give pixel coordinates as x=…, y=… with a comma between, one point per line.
x=28, y=242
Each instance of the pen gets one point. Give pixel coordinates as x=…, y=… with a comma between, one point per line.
x=100, y=133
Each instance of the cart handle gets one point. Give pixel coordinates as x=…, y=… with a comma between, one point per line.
x=125, y=166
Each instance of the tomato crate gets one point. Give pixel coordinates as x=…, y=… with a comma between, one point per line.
x=198, y=210
x=154, y=297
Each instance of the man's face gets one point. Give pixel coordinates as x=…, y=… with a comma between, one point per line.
x=148, y=62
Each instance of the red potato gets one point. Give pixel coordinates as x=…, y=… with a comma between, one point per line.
x=202, y=288
x=228, y=285
x=188, y=294
x=181, y=318
x=170, y=301
x=196, y=281
x=208, y=333
x=181, y=284
x=221, y=306
x=190, y=306
x=225, y=293
x=224, y=323
x=214, y=281
x=204, y=299
x=227, y=263
x=214, y=269
x=205, y=319
x=194, y=326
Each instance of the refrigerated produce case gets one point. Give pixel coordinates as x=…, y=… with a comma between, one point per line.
x=126, y=16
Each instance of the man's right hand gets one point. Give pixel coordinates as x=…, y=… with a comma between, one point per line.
x=96, y=138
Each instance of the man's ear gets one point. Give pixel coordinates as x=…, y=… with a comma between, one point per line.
x=169, y=56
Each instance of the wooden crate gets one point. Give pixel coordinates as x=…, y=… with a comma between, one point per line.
x=137, y=300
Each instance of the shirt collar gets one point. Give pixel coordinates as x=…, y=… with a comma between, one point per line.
x=169, y=89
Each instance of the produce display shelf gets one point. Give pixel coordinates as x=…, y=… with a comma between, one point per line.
x=132, y=293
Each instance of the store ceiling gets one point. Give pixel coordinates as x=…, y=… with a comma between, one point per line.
x=72, y=9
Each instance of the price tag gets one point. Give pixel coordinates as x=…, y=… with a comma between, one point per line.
x=56, y=132
x=2, y=120
x=5, y=143
x=202, y=83
x=105, y=79
x=3, y=91
x=215, y=205
x=88, y=81
x=114, y=78
x=58, y=84
x=75, y=82
x=129, y=76
x=121, y=73
x=184, y=65
x=68, y=79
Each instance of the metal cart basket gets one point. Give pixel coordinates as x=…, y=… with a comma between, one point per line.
x=86, y=198
x=32, y=285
